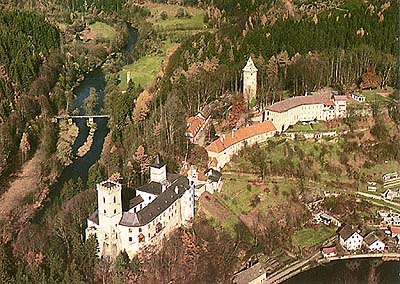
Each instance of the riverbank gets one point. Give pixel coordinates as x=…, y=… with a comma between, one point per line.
x=84, y=149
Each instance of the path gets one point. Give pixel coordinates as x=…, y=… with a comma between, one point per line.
x=391, y=204
x=24, y=183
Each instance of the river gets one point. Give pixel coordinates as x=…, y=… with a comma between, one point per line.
x=339, y=272
x=80, y=167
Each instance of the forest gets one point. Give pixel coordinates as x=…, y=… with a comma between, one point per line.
x=294, y=51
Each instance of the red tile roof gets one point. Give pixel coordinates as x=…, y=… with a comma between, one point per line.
x=234, y=137
x=194, y=124
x=330, y=103
x=395, y=230
x=329, y=250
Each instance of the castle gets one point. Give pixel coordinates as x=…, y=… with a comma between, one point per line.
x=132, y=219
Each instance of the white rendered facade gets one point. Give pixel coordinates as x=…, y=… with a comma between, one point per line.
x=378, y=245
x=155, y=211
x=250, y=80
x=354, y=242
x=230, y=144
x=305, y=108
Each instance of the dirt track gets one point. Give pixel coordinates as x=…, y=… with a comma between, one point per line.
x=26, y=182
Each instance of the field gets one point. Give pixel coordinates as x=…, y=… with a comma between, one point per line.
x=103, y=30
x=174, y=29
x=383, y=96
x=309, y=237
x=194, y=22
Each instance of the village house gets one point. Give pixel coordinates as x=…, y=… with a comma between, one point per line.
x=305, y=109
x=358, y=98
x=195, y=125
x=391, y=195
x=327, y=219
x=390, y=177
x=389, y=218
x=373, y=243
x=349, y=238
x=132, y=219
x=395, y=233
x=221, y=150
x=329, y=252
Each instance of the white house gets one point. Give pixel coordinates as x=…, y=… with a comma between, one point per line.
x=221, y=150
x=305, y=109
x=373, y=242
x=349, y=238
x=130, y=220
x=250, y=80
x=358, y=98
x=329, y=252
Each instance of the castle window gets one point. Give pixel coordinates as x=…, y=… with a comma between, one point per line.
x=149, y=197
x=141, y=238
x=104, y=211
x=115, y=211
x=140, y=230
x=104, y=200
x=115, y=201
x=130, y=239
x=158, y=227
x=130, y=230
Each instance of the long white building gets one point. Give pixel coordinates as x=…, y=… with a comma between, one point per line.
x=132, y=219
x=221, y=150
x=305, y=108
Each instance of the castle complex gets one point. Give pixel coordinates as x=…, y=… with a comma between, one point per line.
x=132, y=219
x=275, y=118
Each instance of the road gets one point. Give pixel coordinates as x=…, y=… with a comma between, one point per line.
x=290, y=271
x=377, y=197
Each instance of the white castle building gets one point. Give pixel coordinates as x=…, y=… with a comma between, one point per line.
x=250, y=80
x=305, y=108
x=128, y=221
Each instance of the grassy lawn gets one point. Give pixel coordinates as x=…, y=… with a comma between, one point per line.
x=144, y=70
x=236, y=194
x=308, y=237
x=195, y=22
x=374, y=96
x=103, y=30
x=299, y=127
x=378, y=170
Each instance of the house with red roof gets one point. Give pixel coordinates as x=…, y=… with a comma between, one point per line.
x=221, y=150
x=395, y=232
x=305, y=109
x=195, y=125
x=329, y=251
